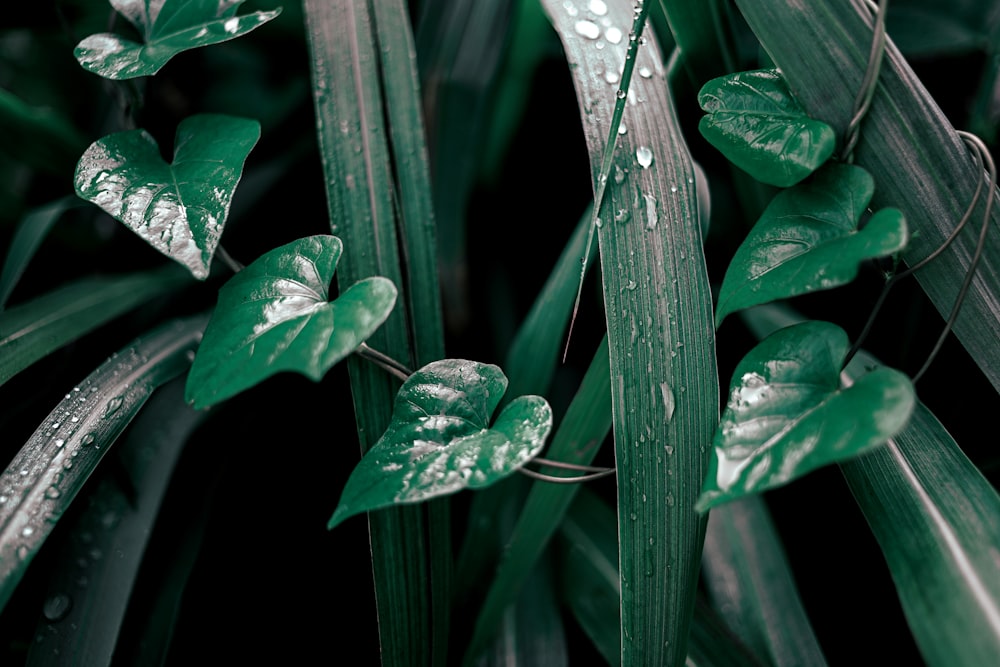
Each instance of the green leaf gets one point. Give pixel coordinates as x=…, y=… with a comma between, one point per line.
x=808, y=239
x=168, y=28
x=757, y=124
x=787, y=414
x=440, y=441
x=29, y=235
x=275, y=315
x=181, y=208
x=31, y=330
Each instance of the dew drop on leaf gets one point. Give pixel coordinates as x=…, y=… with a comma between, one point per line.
x=56, y=607
x=588, y=29
x=645, y=156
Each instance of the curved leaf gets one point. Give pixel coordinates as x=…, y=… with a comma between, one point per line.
x=756, y=123
x=440, y=441
x=168, y=28
x=808, y=239
x=179, y=209
x=275, y=315
x=787, y=414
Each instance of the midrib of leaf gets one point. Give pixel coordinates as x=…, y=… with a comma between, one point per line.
x=919, y=164
x=660, y=534
x=411, y=576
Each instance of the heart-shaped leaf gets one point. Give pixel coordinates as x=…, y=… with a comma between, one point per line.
x=275, y=316
x=168, y=28
x=179, y=209
x=808, y=239
x=787, y=413
x=756, y=123
x=440, y=440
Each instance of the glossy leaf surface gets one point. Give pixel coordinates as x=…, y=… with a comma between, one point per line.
x=756, y=123
x=168, y=28
x=787, y=414
x=180, y=208
x=808, y=239
x=275, y=315
x=440, y=440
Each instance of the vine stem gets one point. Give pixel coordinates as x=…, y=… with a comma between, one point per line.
x=227, y=259
x=983, y=160
x=866, y=92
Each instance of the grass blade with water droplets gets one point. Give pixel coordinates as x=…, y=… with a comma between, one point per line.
x=110, y=539
x=51, y=468
x=356, y=160
x=659, y=312
x=752, y=587
x=919, y=163
x=31, y=330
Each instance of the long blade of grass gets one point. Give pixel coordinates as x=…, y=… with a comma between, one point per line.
x=51, y=468
x=108, y=541
x=41, y=138
x=937, y=520
x=29, y=235
x=31, y=330
x=751, y=584
x=920, y=164
x=348, y=79
x=659, y=312
x=580, y=434
x=588, y=567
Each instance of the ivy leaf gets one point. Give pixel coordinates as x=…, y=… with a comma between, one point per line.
x=168, y=27
x=275, y=316
x=440, y=442
x=788, y=415
x=808, y=239
x=179, y=209
x=756, y=123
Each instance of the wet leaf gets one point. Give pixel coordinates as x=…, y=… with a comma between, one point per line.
x=808, y=239
x=275, y=315
x=180, y=208
x=788, y=415
x=757, y=124
x=440, y=440
x=167, y=28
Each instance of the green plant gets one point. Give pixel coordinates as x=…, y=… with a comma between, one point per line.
x=451, y=125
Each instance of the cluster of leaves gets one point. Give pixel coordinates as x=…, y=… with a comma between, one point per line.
x=631, y=582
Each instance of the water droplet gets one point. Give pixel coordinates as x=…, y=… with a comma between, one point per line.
x=645, y=72
x=669, y=405
x=112, y=406
x=52, y=493
x=620, y=94
x=56, y=607
x=588, y=29
x=3, y=499
x=599, y=223
x=644, y=156
x=622, y=215
x=27, y=531
x=630, y=287
x=76, y=389
x=598, y=7
x=22, y=552
x=652, y=541
x=633, y=516
x=613, y=35
x=611, y=76
x=56, y=424
x=86, y=440
x=24, y=472
x=669, y=449
x=570, y=8
x=75, y=419
x=619, y=175
x=622, y=129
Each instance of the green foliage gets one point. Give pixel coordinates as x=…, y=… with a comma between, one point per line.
x=788, y=415
x=756, y=123
x=440, y=440
x=179, y=208
x=808, y=239
x=439, y=138
x=167, y=27
x=275, y=315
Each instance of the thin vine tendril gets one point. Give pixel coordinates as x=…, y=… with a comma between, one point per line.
x=866, y=92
